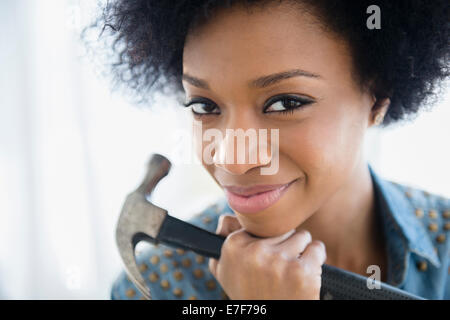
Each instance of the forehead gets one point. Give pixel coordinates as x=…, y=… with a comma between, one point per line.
x=239, y=44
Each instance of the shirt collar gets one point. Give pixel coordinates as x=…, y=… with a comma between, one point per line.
x=396, y=208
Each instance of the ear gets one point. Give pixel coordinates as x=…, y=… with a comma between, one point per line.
x=379, y=108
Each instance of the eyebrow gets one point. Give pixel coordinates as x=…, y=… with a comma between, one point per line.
x=260, y=82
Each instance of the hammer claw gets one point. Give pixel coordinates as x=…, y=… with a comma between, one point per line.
x=141, y=220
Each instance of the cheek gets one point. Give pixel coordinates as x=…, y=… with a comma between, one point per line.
x=324, y=151
x=325, y=148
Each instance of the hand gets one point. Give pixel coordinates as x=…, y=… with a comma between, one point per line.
x=284, y=267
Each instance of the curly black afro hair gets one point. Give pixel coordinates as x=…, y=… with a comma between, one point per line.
x=406, y=60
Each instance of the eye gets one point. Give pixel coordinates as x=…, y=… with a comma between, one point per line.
x=286, y=104
x=202, y=106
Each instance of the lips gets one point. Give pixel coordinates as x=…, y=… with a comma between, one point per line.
x=249, y=191
x=256, y=198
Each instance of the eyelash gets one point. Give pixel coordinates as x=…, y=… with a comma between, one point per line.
x=283, y=98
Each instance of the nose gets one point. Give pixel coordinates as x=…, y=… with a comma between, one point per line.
x=242, y=150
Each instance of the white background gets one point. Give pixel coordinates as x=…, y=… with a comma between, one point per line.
x=70, y=151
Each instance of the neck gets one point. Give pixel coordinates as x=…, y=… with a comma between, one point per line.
x=347, y=225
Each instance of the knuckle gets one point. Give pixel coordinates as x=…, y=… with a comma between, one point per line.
x=257, y=261
x=310, y=268
x=305, y=235
x=236, y=236
x=305, y=268
x=256, y=247
x=233, y=241
x=297, y=268
x=319, y=248
x=259, y=255
x=318, y=245
x=278, y=256
x=228, y=247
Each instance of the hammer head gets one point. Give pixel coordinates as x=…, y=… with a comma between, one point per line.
x=141, y=220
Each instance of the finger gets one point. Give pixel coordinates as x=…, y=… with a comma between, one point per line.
x=227, y=224
x=296, y=243
x=212, y=266
x=314, y=254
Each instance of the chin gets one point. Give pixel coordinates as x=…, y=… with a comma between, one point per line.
x=265, y=230
x=268, y=233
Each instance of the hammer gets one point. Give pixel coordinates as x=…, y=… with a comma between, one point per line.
x=141, y=220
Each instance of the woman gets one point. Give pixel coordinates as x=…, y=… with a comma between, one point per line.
x=322, y=76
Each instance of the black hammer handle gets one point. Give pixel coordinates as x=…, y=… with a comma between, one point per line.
x=336, y=283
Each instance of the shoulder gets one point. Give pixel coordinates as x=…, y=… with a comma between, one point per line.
x=174, y=273
x=428, y=228
x=431, y=209
x=420, y=197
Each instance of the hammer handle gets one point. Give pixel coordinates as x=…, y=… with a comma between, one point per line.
x=178, y=233
x=336, y=283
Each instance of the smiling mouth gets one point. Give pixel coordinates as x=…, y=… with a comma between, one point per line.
x=254, y=190
x=257, y=198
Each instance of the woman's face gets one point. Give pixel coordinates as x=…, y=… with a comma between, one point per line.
x=320, y=143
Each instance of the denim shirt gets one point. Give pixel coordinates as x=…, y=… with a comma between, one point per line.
x=415, y=225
